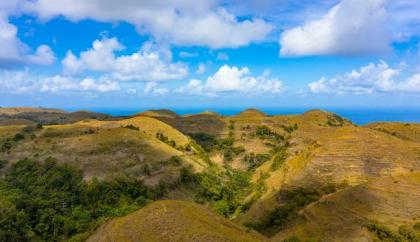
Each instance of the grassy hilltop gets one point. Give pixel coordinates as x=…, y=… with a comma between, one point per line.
x=288, y=177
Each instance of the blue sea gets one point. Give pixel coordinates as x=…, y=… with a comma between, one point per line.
x=358, y=116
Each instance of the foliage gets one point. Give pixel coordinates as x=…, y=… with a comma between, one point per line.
x=383, y=233
x=334, y=120
x=205, y=140
x=290, y=129
x=9, y=142
x=224, y=190
x=255, y=160
x=225, y=145
x=279, y=158
x=265, y=132
x=3, y=163
x=165, y=139
x=130, y=126
x=51, y=202
x=291, y=202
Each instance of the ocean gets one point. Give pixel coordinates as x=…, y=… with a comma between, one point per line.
x=358, y=116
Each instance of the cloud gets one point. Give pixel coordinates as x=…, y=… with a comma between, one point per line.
x=201, y=68
x=15, y=52
x=181, y=22
x=24, y=81
x=186, y=54
x=43, y=56
x=152, y=88
x=147, y=64
x=368, y=79
x=351, y=27
x=63, y=83
x=233, y=79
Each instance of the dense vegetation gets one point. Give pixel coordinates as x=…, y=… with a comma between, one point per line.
x=404, y=233
x=7, y=144
x=291, y=202
x=224, y=190
x=224, y=145
x=51, y=202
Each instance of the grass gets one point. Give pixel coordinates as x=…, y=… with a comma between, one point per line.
x=186, y=221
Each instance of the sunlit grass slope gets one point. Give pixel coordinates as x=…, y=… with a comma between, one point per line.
x=173, y=221
x=392, y=202
x=109, y=148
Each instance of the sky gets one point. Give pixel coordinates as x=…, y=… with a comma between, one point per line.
x=210, y=53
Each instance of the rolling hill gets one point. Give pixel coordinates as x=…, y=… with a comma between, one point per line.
x=313, y=175
x=173, y=221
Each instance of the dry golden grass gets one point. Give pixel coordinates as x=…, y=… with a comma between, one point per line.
x=392, y=201
x=406, y=131
x=106, y=148
x=173, y=221
x=158, y=113
x=17, y=110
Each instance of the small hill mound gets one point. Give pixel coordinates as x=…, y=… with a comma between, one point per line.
x=324, y=118
x=18, y=110
x=252, y=113
x=158, y=113
x=17, y=116
x=173, y=221
x=205, y=113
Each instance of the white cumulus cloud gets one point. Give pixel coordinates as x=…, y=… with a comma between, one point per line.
x=13, y=51
x=233, y=79
x=24, y=81
x=147, y=64
x=153, y=88
x=349, y=28
x=371, y=78
x=180, y=22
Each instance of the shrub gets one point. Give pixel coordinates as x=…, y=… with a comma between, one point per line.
x=130, y=126
x=265, y=132
x=205, y=140
x=3, y=163
x=291, y=202
x=382, y=232
x=255, y=160
x=279, y=158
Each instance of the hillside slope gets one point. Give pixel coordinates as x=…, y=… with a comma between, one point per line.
x=142, y=147
x=173, y=221
x=348, y=215
x=406, y=131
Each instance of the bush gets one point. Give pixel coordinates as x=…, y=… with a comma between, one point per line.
x=130, y=126
x=265, y=132
x=3, y=163
x=53, y=202
x=255, y=160
x=279, y=158
x=383, y=233
x=291, y=202
x=205, y=140
x=165, y=139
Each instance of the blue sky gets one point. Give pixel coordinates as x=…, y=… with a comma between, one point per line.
x=210, y=53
